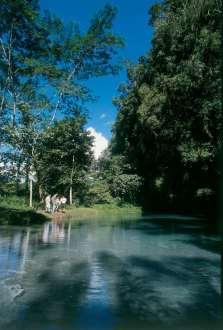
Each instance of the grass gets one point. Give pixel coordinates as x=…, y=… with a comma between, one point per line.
x=14, y=211
x=101, y=211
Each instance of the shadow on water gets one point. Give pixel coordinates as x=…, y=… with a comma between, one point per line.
x=54, y=302
x=164, y=296
x=197, y=230
x=129, y=275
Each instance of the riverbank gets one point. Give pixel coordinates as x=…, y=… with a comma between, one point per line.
x=101, y=211
x=14, y=211
x=97, y=211
x=20, y=217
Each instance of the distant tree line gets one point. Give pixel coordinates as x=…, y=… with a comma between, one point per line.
x=169, y=111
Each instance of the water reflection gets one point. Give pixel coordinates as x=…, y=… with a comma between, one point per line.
x=14, y=252
x=53, y=232
x=149, y=273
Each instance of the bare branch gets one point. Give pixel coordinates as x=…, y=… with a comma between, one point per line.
x=70, y=76
x=4, y=50
x=56, y=108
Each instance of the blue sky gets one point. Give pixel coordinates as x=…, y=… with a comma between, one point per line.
x=132, y=24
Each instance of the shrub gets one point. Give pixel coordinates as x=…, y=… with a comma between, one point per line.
x=126, y=187
x=98, y=194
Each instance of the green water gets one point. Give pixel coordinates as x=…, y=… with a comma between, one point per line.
x=111, y=274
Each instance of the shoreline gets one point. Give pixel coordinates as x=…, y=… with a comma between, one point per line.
x=25, y=216
x=95, y=212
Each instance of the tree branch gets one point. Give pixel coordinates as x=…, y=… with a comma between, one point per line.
x=75, y=69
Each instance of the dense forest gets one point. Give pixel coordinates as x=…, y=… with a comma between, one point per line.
x=165, y=146
x=169, y=111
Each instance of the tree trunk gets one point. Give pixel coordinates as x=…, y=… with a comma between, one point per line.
x=71, y=195
x=17, y=176
x=71, y=181
x=14, y=112
x=27, y=181
x=40, y=189
x=17, y=183
x=30, y=193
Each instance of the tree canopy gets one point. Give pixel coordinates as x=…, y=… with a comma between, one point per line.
x=44, y=64
x=169, y=112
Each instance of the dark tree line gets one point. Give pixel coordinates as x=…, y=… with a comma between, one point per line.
x=169, y=111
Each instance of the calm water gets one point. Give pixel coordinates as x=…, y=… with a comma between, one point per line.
x=111, y=274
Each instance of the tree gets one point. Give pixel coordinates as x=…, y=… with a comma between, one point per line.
x=64, y=156
x=43, y=65
x=169, y=113
x=120, y=177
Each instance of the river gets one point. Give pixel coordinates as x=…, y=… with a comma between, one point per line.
x=156, y=272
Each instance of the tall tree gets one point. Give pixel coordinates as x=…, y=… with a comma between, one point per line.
x=64, y=156
x=170, y=117
x=43, y=65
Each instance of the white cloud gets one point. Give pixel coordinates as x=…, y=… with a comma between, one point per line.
x=103, y=115
x=100, y=142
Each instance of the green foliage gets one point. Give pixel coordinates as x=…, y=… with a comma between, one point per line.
x=13, y=201
x=64, y=156
x=44, y=64
x=169, y=113
x=14, y=211
x=98, y=193
x=126, y=187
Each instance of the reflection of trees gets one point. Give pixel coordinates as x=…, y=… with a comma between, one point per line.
x=56, y=231
x=53, y=232
x=96, y=310
x=25, y=248
x=68, y=235
x=14, y=252
x=134, y=275
x=16, y=249
x=55, y=282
